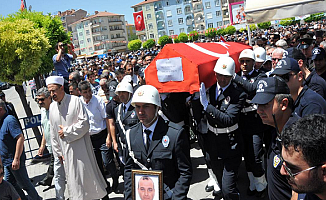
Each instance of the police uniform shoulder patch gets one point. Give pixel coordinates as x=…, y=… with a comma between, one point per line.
x=133, y=114
x=227, y=100
x=165, y=141
x=276, y=161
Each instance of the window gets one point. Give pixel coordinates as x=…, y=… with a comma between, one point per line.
x=112, y=36
x=226, y=22
x=210, y=25
x=180, y=20
x=170, y=22
x=217, y=2
x=218, y=13
x=208, y=5
x=80, y=34
x=209, y=15
x=151, y=35
x=187, y=9
x=88, y=40
x=167, y=3
x=86, y=24
x=105, y=37
x=219, y=23
x=149, y=16
x=171, y=32
x=91, y=48
x=179, y=11
x=168, y=13
x=81, y=42
x=150, y=26
x=147, y=7
x=104, y=28
x=182, y=30
x=87, y=32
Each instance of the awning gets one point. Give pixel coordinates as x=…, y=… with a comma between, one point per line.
x=270, y=10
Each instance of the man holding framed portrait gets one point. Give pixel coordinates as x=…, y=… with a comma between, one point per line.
x=154, y=144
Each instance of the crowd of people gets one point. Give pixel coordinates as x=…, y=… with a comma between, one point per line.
x=99, y=116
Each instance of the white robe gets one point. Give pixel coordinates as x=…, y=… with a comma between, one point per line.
x=84, y=178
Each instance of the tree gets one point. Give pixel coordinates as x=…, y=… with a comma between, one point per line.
x=134, y=45
x=22, y=49
x=164, y=40
x=210, y=33
x=193, y=36
x=264, y=25
x=220, y=31
x=183, y=37
x=314, y=17
x=54, y=31
x=253, y=27
x=149, y=44
x=288, y=21
x=176, y=40
x=230, y=30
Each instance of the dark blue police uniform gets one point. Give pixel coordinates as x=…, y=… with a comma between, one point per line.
x=316, y=83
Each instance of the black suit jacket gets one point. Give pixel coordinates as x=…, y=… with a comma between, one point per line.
x=173, y=160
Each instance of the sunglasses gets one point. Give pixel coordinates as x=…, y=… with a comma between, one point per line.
x=290, y=173
x=39, y=99
x=286, y=77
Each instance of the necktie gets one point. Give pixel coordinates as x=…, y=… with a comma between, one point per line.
x=148, y=140
x=220, y=91
x=124, y=111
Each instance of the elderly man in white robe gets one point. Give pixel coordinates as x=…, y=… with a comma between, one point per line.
x=71, y=143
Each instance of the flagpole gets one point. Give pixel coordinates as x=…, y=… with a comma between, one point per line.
x=25, y=4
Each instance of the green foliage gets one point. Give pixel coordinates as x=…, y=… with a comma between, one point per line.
x=134, y=45
x=21, y=50
x=242, y=29
x=183, y=37
x=220, y=31
x=193, y=36
x=211, y=33
x=314, y=17
x=288, y=21
x=264, y=25
x=54, y=31
x=176, y=40
x=164, y=40
x=253, y=27
x=149, y=44
x=132, y=37
x=230, y=30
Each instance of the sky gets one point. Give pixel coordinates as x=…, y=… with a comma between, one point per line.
x=48, y=6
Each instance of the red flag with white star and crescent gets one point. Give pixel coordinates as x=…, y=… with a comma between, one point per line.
x=22, y=5
x=139, y=21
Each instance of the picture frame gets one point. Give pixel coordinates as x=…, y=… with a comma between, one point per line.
x=146, y=183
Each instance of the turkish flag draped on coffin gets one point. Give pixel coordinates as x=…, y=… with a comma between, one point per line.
x=182, y=67
x=139, y=21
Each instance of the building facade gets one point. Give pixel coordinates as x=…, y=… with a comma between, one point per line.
x=131, y=31
x=70, y=16
x=101, y=33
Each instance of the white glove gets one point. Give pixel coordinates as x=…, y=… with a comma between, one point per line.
x=203, y=98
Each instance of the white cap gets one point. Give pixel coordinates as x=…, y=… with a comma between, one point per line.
x=55, y=80
x=247, y=53
x=126, y=78
x=146, y=94
x=124, y=87
x=260, y=54
x=225, y=66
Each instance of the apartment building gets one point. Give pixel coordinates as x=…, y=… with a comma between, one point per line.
x=70, y=16
x=101, y=33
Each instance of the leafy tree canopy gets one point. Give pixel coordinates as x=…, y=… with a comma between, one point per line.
x=134, y=45
x=164, y=40
x=149, y=43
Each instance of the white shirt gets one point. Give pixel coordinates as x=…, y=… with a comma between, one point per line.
x=127, y=106
x=151, y=128
x=218, y=88
x=96, y=112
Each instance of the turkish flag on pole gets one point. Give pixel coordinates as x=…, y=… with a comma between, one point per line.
x=22, y=5
x=222, y=39
x=139, y=21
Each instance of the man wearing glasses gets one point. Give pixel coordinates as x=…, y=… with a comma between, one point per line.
x=275, y=106
x=277, y=55
x=303, y=156
x=306, y=101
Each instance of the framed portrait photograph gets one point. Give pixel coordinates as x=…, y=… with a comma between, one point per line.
x=147, y=185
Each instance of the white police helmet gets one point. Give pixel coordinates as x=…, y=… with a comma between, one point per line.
x=260, y=54
x=146, y=94
x=225, y=66
x=247, y=53
x=124, y=87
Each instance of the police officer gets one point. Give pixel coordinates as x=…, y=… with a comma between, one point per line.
x=223, y=139
x=125, y=115
x=154, y=144
x=251, y=125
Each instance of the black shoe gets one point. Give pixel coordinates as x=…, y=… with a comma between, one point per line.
x=218, y=194
x=209, y=188
x=45, y=182
x=251, y=192
x=115, y=184
x=261, y=194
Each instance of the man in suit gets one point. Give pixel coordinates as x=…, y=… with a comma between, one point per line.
x=154, y=144
x=125, y=116
x=223, y=139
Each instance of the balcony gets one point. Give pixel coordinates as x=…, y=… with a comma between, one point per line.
x=158, y=7
x=112, y=23
x=186, y=2
x=159, y=15
x=199, y=21
x=122, y=47
x=160, y=25
x=96, y=33
x=96, y=25
x=189, y=22
x=121, y=38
